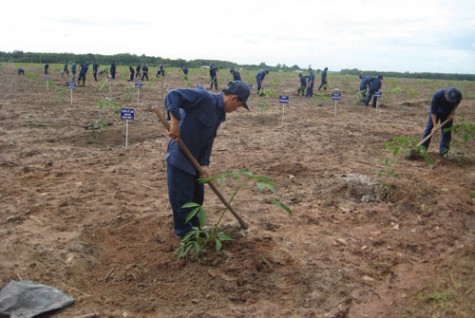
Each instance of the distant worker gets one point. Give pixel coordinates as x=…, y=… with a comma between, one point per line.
x=46, y=68
x=73, y=70
x=113, y=69
x=443, y=106
x=138, y=73
x=236, y=75
x=323, y=83
x=21, y=71
x=374, y=86
x=161, y=71
x=185, y=72
x=132, y=73
x=310, y=83
x=82, y=73
x=144, y=72
x=260, y=81
x=95, y=69
x=303, y=84
x=65, y=70
x=213, y=74
x=364, y=83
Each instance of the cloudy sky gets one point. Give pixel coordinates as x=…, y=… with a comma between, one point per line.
x=383, y=35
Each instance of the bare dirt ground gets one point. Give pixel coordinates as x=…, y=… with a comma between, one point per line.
x=91, y=218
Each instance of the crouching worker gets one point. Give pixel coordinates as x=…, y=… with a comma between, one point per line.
x=195, y=116
x=443, y=106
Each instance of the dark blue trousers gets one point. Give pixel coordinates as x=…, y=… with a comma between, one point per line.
x=446, y=135
x=183, y=188
x=368, y=98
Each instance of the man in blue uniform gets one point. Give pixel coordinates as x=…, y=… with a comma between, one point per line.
x=443, y=106
x=73, y=70
x=185, y=72
x=364, y=81
x=95, y=69
x=131, y=73
x=144, y=72
x=213, y=70
x=310, y=83
x=236, y=75
x=82, y=73
x=303, y=84
x=374, y=86
x=324, y=79
x=195, y=116
x=113, y=70
x=260, y=81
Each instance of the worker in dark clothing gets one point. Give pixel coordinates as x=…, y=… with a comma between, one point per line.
x=46, y=68
x=324, y=79
x=185, y=72
x=161, y=71
x=364, y=81
x=21, y=71
x=260, y=81
x=132, y=73
x=195, y=116
x=82, y=73
x=65, y=70
x=374, y=86
x=443, y=106
x=236, y=75
x=303, y=84
x=113, y=70
x=73, y=71
x=213, y=74
x=144, y=72
x=95, y=69
x=310, y=83
x=137, y=71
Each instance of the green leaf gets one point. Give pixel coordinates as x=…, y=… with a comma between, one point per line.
x=282, y=206
x=224, y=236
x=192, y=214
x=190, y=205
x=262, y=186
x=218, y=245
x=202, y=217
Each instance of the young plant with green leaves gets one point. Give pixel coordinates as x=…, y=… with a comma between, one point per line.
x=193, y=243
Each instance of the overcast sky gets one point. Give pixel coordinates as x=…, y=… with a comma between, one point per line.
x=383, y=35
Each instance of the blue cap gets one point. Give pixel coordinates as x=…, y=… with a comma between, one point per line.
x=454, y=96
x=240, y=89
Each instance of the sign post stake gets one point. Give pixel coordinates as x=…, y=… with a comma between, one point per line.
x=138, y=85
x=46, y=77
x=127, y=114
x=336, y=96
x=377, y=95
x=71, y=86
x=283, y=100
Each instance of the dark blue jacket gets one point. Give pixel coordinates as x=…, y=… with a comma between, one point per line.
x=236, y=76
x=212, y=71
x=375, y=84
x=440, y=105
x=261, y=75
x=364, y=82
x=200, y=113
x=84, y=68
x=303, y=80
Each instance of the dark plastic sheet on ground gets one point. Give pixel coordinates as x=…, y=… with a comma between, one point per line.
x=25, y=299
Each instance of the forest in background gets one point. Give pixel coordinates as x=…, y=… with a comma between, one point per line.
x=133, y=59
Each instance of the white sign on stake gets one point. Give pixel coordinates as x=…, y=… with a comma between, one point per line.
x=377, y=95
x=138, y=85
x=283, y=99
x=71, y=86
x=336, y=96
x=127, y=114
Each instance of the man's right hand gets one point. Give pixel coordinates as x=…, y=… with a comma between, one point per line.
x=174, y=132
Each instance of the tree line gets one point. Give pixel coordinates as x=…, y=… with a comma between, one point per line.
x=423, y=75
x=133, y=59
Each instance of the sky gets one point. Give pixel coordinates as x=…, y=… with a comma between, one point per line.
x=380, y=35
